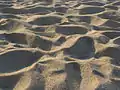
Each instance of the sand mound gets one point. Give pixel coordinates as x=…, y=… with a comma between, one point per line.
x=91, y=10
x=82, y=53
x=46, y=20
x=71, y=29
x=21, y=59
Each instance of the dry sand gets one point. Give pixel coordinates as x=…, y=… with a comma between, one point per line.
x=59, y=44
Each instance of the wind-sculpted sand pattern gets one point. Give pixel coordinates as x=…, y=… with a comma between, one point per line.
x=59, y=44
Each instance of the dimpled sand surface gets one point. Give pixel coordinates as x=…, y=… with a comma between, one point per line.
x=59, y=44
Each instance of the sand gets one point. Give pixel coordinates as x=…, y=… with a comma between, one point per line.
x=59, y=44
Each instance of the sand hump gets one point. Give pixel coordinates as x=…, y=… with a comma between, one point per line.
x=86, y=48
x=59, y=44
x=71, y=29
x=21, y=59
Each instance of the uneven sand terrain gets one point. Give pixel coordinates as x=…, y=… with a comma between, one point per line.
x=59, y=44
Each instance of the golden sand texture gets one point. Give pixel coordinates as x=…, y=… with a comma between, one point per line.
x=59, y=44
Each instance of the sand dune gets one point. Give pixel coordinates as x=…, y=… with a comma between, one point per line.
x=59, y=45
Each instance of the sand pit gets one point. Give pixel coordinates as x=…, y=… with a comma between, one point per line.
x=59, y=45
